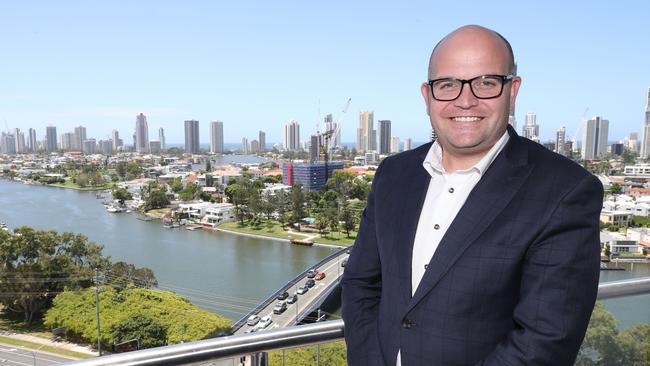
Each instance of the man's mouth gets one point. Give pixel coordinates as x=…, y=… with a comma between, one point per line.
x=467, y=119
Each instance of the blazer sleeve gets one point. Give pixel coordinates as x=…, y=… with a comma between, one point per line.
x=559, y=284
x=361, y=290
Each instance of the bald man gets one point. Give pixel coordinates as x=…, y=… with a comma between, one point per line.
x=481, y=248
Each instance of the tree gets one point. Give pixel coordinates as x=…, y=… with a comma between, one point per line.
x=38, y=264
x=121, y=194
x=297, y=198
x=156, y=199
x=349, y=220
x=81, y=180
x=124, y=274
x=616, y=188
x=148, y=331
x=604, y=345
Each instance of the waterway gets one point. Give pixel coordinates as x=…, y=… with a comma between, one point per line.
x=225, y=273
x=221, y=272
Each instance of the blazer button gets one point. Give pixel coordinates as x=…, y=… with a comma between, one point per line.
x=407, y=323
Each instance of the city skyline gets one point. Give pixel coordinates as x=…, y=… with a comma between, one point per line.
x=283, y=61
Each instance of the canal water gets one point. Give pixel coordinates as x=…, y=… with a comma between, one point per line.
x=225, y=273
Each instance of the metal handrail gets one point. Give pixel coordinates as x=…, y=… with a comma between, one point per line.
x=246, y=344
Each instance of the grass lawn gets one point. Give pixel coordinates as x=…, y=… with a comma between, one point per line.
x=42, y=347
x=337, y=238
x=160, y=212
x=274, y=229
x=71, y=185
x=37, y=330
x=266, y=228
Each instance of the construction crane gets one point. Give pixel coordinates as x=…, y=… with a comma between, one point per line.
x=328, y=138
x=579, y=128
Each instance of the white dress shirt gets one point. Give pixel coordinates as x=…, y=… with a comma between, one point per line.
x=446, y=194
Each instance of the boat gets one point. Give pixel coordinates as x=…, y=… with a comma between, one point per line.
x=113, y=209
x=302, y=242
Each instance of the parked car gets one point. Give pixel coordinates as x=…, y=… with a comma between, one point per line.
x=265, y=322
x=310, y=283
x=293, y=298
x=280, y=307
x=283, y=296
x=253, y=319
x=319, y=276
x=302, y=289
x=312, y=273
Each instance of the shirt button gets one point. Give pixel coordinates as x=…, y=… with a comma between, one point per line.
x=407, y=323
x=451, y=190
x=436, y=226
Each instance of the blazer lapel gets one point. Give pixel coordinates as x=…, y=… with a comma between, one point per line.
x=414, y=191
x=486, y=201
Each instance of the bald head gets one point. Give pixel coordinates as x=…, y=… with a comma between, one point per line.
x=474, y=36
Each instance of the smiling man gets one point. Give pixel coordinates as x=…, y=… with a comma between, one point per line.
x=482, y=247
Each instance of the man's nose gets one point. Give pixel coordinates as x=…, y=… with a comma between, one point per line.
x=466, y=99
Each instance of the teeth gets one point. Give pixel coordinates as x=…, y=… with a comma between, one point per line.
x=466, y=119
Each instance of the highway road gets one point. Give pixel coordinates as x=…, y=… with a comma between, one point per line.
x=17, y=356
x=332, y=271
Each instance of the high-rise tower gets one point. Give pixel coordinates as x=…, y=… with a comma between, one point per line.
x=594, y=142
x=50, y=138
x=292, y=136
x=216, y=137
x=191, y=136
x=560, y=141
x=161, y=138
x=366, y=134
x=384, y=137
x=531, y=128
x=645, y=143
x=141, y=134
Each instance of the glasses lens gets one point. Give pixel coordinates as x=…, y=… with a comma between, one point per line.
x=487, y=86
x=446, y=89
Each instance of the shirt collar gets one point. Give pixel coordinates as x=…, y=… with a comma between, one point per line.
x=433, y=161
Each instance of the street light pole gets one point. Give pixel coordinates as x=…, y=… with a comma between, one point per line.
x=99, y=340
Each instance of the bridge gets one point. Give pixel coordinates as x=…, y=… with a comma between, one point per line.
x=306, y=303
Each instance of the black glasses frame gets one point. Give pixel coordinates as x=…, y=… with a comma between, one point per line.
x=504, y=80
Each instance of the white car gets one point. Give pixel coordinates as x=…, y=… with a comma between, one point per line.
x=265, y=322
x=253, y=319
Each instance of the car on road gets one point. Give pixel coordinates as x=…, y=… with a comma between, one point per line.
x=312, y=273
x=319, y=276
x=293, y=298
x=310, y=283
x=265, y=322
x=302, y=290
x=280, y=307
x=283, y=296
x=253, y=319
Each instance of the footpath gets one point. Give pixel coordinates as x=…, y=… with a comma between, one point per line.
x=63, y=345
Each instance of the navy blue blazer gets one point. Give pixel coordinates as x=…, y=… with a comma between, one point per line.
x=513, y=281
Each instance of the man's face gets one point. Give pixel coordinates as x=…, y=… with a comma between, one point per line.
x=468, y=126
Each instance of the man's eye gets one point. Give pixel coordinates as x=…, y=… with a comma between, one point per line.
x=446, y=85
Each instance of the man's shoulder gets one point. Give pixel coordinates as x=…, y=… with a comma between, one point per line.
x=406, y=159
x=552, y=164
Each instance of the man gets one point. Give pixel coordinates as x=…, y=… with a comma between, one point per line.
x=481, y=248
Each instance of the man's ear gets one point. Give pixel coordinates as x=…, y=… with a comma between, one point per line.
x=424, y=89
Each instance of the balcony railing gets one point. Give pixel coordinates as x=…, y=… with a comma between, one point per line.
x=254, y=343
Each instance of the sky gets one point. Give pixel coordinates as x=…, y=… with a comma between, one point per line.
x=255, y=65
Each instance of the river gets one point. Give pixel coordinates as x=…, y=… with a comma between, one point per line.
x=225, y=273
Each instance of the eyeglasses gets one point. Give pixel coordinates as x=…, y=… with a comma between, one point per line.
x=483, y=87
